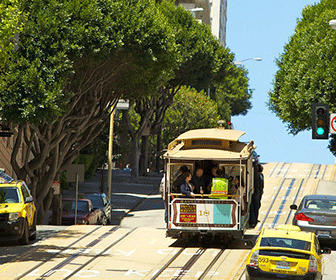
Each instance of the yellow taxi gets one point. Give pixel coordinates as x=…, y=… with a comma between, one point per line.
x=17, y=212
x=285, y=252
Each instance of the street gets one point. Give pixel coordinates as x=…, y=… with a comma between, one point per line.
x=138, y=248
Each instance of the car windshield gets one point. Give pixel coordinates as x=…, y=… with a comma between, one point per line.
x=9, y=195
x=321, y=204
x=69, y=206
x=97, y=201
x=285, y=243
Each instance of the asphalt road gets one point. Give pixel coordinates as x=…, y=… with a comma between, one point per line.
x=136, y=248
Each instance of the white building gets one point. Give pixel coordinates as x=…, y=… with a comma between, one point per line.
x=218, y=18
x=210, y=12
x=199, y=8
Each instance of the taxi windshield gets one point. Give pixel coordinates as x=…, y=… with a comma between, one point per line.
x=9, y=195
x=285, y=243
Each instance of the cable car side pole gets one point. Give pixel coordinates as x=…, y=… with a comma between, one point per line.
x=240, y=191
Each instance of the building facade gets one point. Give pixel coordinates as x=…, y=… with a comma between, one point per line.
x=218, y=16
x=210, y=12
x=6, y=146
x=199, y=8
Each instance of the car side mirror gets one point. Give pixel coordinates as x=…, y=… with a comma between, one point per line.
x=29, y=199
x=293, y=207
x=326, y=251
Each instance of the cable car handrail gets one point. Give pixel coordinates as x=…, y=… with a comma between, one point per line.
x=206, y=195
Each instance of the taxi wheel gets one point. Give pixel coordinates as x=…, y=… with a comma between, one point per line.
x=33, y=230
x=248, y=277
x=24, y=240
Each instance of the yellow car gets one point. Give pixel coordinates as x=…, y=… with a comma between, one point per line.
x=285, y=252
x=17, y=212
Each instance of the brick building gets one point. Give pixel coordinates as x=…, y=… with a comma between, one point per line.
x=6, y=146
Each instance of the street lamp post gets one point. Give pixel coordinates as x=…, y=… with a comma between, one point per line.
x=238, y=62
x=121, y=105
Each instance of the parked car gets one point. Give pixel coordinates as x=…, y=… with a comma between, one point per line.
x=17, y=212
x=285, y=252
x=100, y=201
x=317, y=213
x=86, y=215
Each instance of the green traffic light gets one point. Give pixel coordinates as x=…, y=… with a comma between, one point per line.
x=320, y=131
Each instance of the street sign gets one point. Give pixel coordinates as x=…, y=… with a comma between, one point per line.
x=122, y=104
x=333, y=123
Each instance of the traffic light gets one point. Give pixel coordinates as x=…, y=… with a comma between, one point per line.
x=320, y=123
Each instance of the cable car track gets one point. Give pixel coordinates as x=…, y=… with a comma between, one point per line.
x=94, y=242
x=239, y=273
x=53, y=255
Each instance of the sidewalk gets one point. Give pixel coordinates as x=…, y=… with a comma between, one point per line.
x=128, y=193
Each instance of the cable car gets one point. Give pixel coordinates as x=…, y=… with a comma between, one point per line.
x=215, y=212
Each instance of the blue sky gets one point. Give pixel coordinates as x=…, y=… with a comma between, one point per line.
x=261, y=29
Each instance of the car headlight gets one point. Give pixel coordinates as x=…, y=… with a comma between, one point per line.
x=13, y=216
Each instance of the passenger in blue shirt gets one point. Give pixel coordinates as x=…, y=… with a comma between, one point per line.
x=187, y=188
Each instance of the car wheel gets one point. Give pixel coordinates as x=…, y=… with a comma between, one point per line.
x=24, y=239
x=33, y=230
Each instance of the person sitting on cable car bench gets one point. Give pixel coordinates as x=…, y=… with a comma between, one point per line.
x=198, y=181
x=180, y=178
x=186, y=187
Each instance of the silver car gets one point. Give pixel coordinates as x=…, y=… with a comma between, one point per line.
x=317, y=213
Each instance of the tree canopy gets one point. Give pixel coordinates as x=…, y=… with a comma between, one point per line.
x=190, y=110
x=11, y=20
x=307, y=68
x=64, y=38
x=73, y=61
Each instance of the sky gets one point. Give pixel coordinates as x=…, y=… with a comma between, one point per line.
x=261, y=29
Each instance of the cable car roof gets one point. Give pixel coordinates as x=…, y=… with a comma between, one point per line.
x=206, y=154
x=212, y=133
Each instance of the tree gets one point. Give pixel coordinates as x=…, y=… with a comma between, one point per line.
x=73, y=62
x=11, y=20
x=190, y=110
x=307, y=69
x=230, y=88
x=202, y=63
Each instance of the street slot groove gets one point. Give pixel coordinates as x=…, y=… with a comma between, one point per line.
x=163, y=268
x=55, y=254
x=215, y=259
x=190, y=263
x=294, y=201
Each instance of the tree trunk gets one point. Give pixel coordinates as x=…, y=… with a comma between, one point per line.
x=158, y=150
x=135, y=156
x=144, y=155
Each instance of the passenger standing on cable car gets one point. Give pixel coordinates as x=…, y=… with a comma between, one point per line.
x=198, y=181
x=187, y=188
x=213, y=174
x=257, y=195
